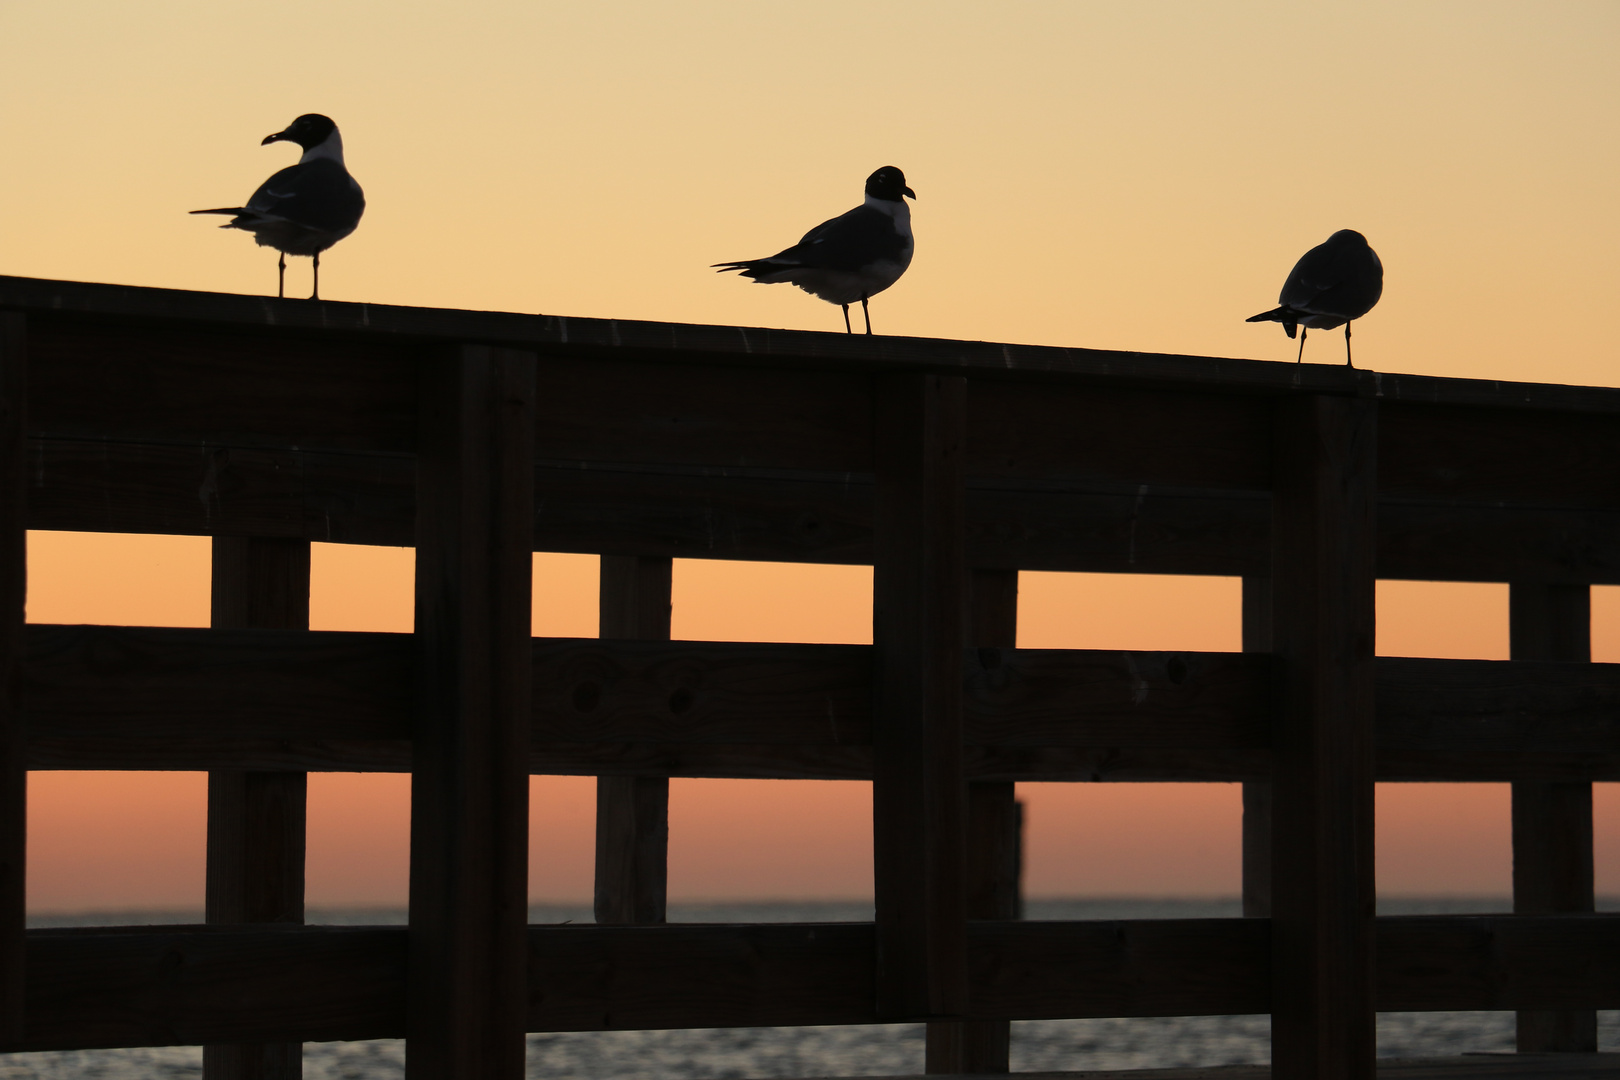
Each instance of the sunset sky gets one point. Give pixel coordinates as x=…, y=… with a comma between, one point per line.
x=1131, y=175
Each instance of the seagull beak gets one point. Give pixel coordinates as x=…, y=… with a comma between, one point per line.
x=908, y=193
x=280, y=136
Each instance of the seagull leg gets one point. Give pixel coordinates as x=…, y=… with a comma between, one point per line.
x=281, y=277
x=847, y=329
x=1347, y=359
x=866, y=313
x=1301, y=357
x=316, y=295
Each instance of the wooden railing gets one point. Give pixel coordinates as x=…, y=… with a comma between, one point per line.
x=948, y=466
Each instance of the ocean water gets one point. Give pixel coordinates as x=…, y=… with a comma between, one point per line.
x=876, y=1050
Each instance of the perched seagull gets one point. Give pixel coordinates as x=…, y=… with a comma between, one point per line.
x=854, y=256
x=305, y=208
x=1331, y=285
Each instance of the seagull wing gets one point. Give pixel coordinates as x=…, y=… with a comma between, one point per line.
x=317, y=194
x=849, y=242
x=1335, y=279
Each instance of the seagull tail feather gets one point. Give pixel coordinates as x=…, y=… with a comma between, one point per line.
x=1285, y=315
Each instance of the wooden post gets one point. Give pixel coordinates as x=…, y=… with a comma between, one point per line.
x=919, y=607
x=469, y=782
x=1257, y=793
x=1322, y=780
x=994, y=847
x=256, y=820
x=1552, y=822
x=632, y=812
x=13, y=603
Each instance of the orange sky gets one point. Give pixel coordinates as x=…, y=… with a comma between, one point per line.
x=1130, y=175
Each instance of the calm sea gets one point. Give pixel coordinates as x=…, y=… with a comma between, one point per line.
x=830, y=1051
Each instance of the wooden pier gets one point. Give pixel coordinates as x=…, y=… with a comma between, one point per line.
x=949, y=466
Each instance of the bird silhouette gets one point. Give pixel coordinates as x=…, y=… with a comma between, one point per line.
x=1333, y=284
x=854, y=256
x=305, y=208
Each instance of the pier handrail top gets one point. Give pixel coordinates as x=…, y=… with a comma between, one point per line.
x=741, y=346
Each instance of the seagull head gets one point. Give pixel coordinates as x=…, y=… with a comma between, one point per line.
x=308, y=131
x=888, y=183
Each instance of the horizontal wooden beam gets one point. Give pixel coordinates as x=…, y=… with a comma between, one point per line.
x=103, y=697
x=230, y=316
x=614, y=508
x=176, y=985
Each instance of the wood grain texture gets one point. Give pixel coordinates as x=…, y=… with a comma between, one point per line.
x=919, y=611
x=196, y=385
x=93, y=682
x=632, y=812
x=95, y=485
x=119, y=305
x=15, y=390
x=995, y=845
x=174, y=985
x=1257, y=638
x=1323, y=744
x=185, y=985
x=469, y=789
x=256, y=820
x=1552, y=822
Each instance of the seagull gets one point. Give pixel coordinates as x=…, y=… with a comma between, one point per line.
x=305, y=208
x=854, y=256
x=1331, y=285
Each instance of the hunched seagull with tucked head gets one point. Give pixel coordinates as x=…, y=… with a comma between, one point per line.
x=305, y=208
x=854, y=256
x=1334, y=283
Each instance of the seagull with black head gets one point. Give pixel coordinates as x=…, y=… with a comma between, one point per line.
x=305, y=208
x=854, y=256
x=1333, y=284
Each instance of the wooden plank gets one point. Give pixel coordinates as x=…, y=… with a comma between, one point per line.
x=1323, y=747
x=918, y=611
x=1483, y=455
x=91, y=485
x=185, y=985
x=195, y=385
x=703, y=513
x=1552, y=822
x=177, y=985
x=612, y=410
x=1435, y=963
x=1150, y=967
x=1135, y=436
x=109, y=682
x=469, y=790
x=14, y=404
x=632, y=812
x=1257, y=638
x=256, y=820
x=995, y=834
x=598, y=978
x=62, y=301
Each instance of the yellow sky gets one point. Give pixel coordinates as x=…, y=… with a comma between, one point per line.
x=1132, y=175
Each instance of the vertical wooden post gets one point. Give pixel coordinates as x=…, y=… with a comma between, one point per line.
x=918, y=792
x=469, y=780
x=1257, y=793
x=13, y=604
x=1552, y=822
x=1322, y=782
x=632, y=812
x=256, y=820
x=994, y=846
